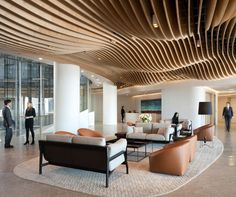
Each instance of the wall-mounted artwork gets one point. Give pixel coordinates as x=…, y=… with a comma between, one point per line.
x=151, y=106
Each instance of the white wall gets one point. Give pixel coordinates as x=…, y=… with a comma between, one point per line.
x=183, y=99
x=132, y=103
x=109, y=104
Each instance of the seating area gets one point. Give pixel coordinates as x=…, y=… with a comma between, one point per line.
x=172, y=159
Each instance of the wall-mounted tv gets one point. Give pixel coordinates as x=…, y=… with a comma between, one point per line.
x=151, y=106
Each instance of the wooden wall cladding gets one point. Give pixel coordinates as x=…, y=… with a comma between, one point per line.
x=192, y=39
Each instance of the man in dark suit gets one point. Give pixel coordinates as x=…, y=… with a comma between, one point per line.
x=8, y=123
x=227, y=115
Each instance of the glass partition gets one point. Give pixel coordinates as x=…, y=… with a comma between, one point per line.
x=23, y=80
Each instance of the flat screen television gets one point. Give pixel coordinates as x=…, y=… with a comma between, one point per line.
x=151, y=106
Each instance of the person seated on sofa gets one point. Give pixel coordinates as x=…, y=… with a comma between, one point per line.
x=175, y=123
x=175, y=118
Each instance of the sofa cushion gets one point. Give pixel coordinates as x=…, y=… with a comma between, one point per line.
x=97, y=141
x=147, y=127
x=118, y=146
x=141, y=136
x=138, y=129
x=155, y=137
x=59, y=138
x=88, y=132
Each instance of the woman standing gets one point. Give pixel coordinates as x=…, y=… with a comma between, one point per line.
x=29, y=122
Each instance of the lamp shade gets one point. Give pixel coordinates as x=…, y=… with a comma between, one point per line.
x=204, y=108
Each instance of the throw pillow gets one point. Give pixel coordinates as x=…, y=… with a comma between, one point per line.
x=65, y=133
x=155, y=130
x=161, y=131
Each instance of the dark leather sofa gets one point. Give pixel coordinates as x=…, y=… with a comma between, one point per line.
x=79, y=156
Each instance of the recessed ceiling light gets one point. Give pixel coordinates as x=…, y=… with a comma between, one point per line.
x=99, y=58
x=82, y=71
x=113, y=41
x=154, y=21
x=198, y=43
x=92, y=75
x=40, y=58
x=134, y=38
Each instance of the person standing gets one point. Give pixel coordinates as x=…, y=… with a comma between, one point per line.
x=29, y=122
x=8, y=122
x=227, y=115
x=122, y=114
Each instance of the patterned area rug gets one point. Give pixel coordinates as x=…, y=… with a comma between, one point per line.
x=139, y=182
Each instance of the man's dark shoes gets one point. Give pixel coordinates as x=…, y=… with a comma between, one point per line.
x=27, y=142
x=9, y=146
x=32, y=143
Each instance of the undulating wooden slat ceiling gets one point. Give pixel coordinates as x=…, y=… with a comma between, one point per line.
x=195, y=39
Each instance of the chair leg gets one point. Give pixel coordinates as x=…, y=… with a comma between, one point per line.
x=127, y=167
x=40, y=162
x=107, y=179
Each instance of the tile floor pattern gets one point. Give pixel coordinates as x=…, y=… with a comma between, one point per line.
x=218, y=180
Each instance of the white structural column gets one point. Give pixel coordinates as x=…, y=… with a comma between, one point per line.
x=66, y=97
x=109, y=104
x=183, y=99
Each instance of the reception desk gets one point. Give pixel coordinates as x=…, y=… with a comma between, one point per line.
x=133, y=117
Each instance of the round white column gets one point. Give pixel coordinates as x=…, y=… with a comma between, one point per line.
x=109, y=104
x=66, y=97
x=184, y=99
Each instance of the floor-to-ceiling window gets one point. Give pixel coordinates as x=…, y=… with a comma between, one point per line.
x=23, y=80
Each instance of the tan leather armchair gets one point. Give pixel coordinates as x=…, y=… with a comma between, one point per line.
x=206, y=131
x=192, y=146
x=173, y=159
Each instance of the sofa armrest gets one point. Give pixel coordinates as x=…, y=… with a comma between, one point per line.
x=168, y=131
x=117, y=147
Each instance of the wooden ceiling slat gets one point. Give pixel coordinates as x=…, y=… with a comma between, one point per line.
x=117, y=39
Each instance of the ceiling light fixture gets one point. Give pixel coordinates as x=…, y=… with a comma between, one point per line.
x=82, y=71
x=113, y=41
x=92, y=76
x=154, y=21
x=134, y=38
x=198, y=43
x=40, y=58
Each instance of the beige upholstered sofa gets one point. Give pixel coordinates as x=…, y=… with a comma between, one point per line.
x=150, y=131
